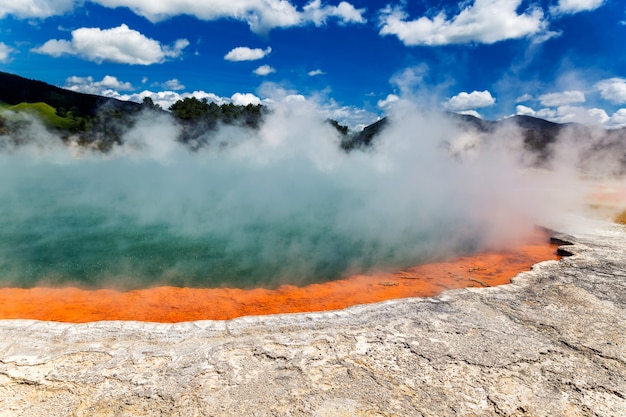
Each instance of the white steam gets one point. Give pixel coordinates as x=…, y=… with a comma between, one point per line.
x=281, y=204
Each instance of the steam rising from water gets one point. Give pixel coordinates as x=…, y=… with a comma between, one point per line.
x=283, y=204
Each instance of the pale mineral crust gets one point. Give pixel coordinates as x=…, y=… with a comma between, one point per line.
x=552, y=343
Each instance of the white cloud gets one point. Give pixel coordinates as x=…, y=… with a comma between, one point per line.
x=173, y=84
x=241, y=99
x=345, y=12
x=524, y=111
x=562, y=98
x=596, y=116
x=484, y=21
x=209, y=96
x=570, y=114
x=264, y=70
x=576, y=6
x=56, y=48
x=387, y=101
x=293, y=98
x=260, y=15
x=165, y=98
x=470, y=101
x=5, y=52
x=351, y=116
x=162, y=98
x=89, y=86
x=316, y=72
x=613, y=89
x=120, y=45
x=35, y=8
x=471, y=113
x=523, y=98
x=618, y=119
x=243, y=53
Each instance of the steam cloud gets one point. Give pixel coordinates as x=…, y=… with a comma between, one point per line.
x=261, y=208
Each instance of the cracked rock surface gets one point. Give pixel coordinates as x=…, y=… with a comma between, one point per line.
x=553, y=343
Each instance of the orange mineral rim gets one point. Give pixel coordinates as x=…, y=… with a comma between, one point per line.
x=172, y=304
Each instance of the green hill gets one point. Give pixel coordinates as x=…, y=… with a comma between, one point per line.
x=15, y=90
x=45, y=112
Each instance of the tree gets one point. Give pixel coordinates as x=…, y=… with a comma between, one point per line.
x=190, y=108
x=148, y=104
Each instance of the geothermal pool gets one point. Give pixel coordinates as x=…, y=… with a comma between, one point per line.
x=129, y=225
x=175, y=304
x=279, y=220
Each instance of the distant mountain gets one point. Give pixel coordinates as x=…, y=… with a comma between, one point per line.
x=15, y=90
x=537, y=132
x=539, y=135
x=101, y=121
x=365, y=137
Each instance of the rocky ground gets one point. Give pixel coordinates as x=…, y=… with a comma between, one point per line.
x=553, y=343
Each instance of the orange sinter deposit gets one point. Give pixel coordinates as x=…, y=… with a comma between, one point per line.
x=610, y=201
x=171, y=304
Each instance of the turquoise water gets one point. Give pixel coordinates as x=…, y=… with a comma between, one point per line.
x=87, y=248
x=61, y=242
x=214, y=219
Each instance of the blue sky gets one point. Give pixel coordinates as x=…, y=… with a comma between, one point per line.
x=563, y=60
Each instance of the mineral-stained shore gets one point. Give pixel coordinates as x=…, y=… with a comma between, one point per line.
x=174, y=304
x=552, y=343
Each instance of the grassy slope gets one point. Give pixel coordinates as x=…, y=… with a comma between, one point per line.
x=45, y=112
x=15, y=89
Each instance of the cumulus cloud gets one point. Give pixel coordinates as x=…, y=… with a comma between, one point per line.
x=345, y=12
x=241, y=99
x=521, y=110
x=469, y=101
x=471, y=113
x=89, y=86
x=260, y=15
x=5, y=52
x=166, y=98
x=243, y=53
x=264, y=70
x=161, y=98
x=613, y=89
x=562, y=98
x=120, y=45
x=387, y=101
x=576, y=114
x=484, y=21
x=35, y=8
x=315, y=73
x=354, y=117
x=618, y=119
x=583, y=115
x=576, y=6
x=173, y=84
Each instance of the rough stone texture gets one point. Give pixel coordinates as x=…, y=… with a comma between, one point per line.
x=553, y=343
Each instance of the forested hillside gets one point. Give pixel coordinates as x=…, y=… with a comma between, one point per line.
x=101, y=122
